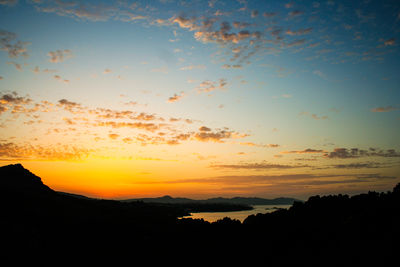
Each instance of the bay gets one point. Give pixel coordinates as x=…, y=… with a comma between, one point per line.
x=237, y=215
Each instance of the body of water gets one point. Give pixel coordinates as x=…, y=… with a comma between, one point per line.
x=238, y=215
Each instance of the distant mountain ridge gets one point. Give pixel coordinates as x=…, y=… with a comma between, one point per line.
x=219, y=200
x=23, y=181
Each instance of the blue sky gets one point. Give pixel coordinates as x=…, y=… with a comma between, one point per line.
x=257, y=88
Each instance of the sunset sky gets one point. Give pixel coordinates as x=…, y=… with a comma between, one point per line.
x=123, y=99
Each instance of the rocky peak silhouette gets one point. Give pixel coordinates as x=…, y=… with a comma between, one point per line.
x=15, y=178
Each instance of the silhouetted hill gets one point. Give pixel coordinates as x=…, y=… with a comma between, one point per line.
x=15, y=178
x=254, y=200
x=164, y=199
x=191, y=205
x=219, y=200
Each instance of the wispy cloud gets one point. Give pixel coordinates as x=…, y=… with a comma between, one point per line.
x=192, y=67
x=299, y=32
x=305, y=151
x=384, y=109
x=313, y=115
x=8, y=2
x=15, y=64
x=257, y=166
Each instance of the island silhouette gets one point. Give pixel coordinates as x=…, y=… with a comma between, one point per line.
x=339, y=229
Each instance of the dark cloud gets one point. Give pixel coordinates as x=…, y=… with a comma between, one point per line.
x=305, y=151
x=344, y=153
x=368, y=165
x=14, y=102
x=204, y=129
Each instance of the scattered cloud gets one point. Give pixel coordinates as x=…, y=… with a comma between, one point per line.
x=12, y=151
x=10, y=44
x=58, y=78
x=12, y=100
x=227, y=66
x=81, y=11
x=59, y=55
x=205, y=134
x=151, y=127
x=107, y=71
x=209, y=86
x=16, y=65
x=70, y=106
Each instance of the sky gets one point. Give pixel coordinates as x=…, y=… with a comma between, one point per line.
x=124, y=99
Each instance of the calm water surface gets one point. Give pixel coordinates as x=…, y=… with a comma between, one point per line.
x=238, y=215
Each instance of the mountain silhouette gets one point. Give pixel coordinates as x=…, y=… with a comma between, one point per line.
x=250, y=201
x=16, y=179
